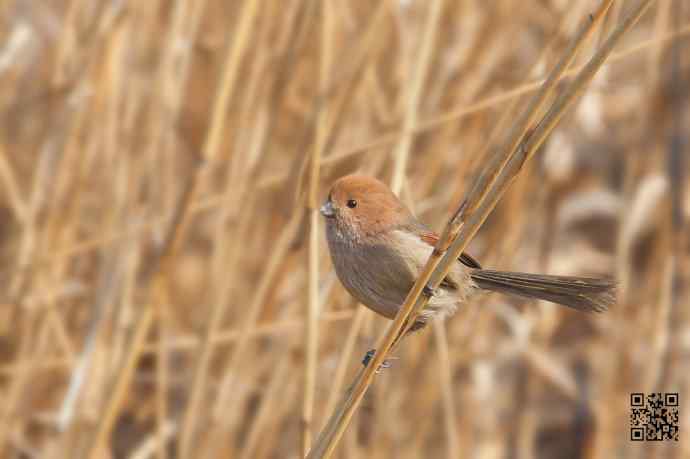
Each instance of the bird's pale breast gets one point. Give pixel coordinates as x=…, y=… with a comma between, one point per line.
x=380, y=276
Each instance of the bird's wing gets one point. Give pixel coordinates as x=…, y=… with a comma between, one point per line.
x=431, y=239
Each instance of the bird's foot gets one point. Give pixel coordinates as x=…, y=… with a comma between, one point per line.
x=429, y=292
x=370, y=354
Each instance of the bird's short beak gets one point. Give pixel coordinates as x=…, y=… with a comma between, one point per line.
x=327, y=210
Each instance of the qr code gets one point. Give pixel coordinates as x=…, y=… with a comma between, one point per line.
x=654, y=417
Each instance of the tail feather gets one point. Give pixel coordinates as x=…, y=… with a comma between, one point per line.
x=581, y=293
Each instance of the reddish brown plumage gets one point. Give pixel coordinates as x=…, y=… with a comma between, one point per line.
x=377, y=208
x=378, y=248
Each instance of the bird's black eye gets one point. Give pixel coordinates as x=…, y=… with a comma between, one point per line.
x=351, y=203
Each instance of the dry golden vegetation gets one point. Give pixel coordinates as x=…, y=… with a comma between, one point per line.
x=167, y=287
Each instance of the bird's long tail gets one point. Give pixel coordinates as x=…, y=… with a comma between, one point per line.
x=581, y=293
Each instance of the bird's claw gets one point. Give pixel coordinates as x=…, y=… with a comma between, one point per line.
x=368, y=356
x=428, y=292
x=385, y=364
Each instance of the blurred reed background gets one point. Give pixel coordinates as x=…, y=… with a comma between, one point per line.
x=167, y=288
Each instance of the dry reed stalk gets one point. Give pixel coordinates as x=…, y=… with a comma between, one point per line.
x=205, y=343
x=552, y=370
x=278, y=252
x=190, y=343
x=145, y=318
x=268, y=396
x=147, y=449
x=228, y=246
x=676, y=282
x=265, y=414
x=228, y=80
x=491, y=101
x=110, y=283
x=117, y=394
x=142, y=323
x=8, y=176
x=662, y=21
x=25, y=358
x=57, y=230
x=194, y=406
x=67, y=43
x=225, y=262
x=109, y=278
x=305, y=14
x=282, y=408
x=61, y=225
x=414, y=92
x=489, y=187
x=351, y=81
x=211, y=149
x=311, y=343
x=340, y=95
x=446, y=382
x=174, y=72
x=30, y=244
x=162, y=379
x=665, y=342
x=348, y=347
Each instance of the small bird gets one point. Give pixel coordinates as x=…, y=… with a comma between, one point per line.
x=378, y=249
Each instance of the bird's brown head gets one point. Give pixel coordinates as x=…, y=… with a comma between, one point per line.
x=363, y=207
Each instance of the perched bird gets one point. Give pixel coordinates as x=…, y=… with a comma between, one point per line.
x=378, y=248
